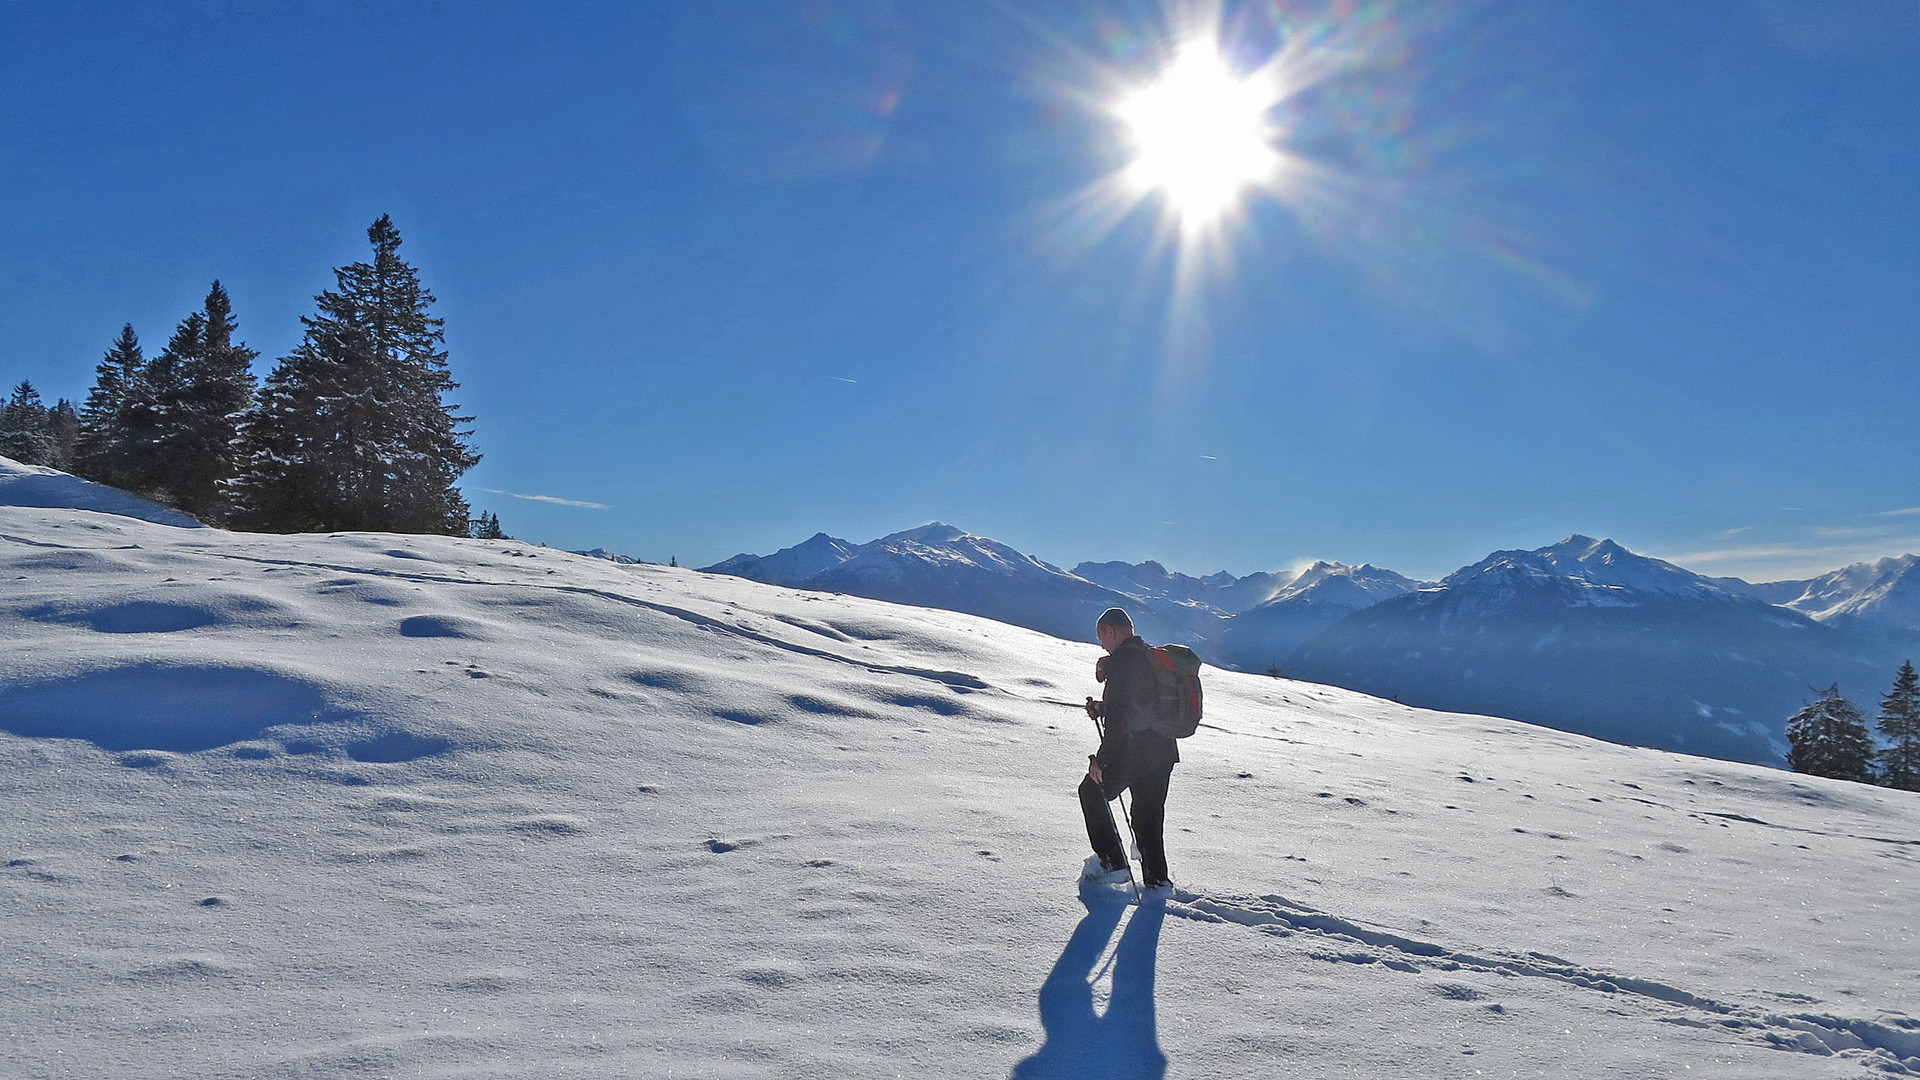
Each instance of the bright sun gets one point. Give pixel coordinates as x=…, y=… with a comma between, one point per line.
x=1200, y=135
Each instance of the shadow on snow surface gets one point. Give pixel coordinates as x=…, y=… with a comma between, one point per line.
x=1123, y=1043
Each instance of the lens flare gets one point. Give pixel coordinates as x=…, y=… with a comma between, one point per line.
x=1199, y=134
x=1238, y=134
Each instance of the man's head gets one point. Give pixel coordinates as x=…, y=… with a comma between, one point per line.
x=1113, y=627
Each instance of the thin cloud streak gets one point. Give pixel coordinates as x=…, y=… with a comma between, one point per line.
x=1787, y=560
x=1899, y=513
x=554, y=499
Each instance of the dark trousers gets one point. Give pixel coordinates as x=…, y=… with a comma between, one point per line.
x=1149, y=815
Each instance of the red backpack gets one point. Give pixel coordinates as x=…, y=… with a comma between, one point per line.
x=1176, y=700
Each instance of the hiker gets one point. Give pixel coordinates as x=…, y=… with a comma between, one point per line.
x=1132, y=755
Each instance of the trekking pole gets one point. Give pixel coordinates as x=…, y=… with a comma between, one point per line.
x=1133, y=886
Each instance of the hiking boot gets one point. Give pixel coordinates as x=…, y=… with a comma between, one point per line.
x=1105, y=870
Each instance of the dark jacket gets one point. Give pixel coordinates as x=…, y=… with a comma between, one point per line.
x=1131, y=746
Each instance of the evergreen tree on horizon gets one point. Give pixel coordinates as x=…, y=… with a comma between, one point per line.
x=26, y=428
x=149, y=419
x=101, y=453
x=200, y=388
x=64, y=423
x=1830, y=738
x=352, y=430
x=1900, y=725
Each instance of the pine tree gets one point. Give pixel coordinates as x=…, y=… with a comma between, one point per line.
x=1829, y=738
x=1900, y=725
x=486, y=527
x=151, y=419
x=64, y=424
x=197, y=391
x=102, y=451
x=26, y=429
x=352, y=430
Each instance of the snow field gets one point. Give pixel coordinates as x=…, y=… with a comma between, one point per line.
x=369, y=805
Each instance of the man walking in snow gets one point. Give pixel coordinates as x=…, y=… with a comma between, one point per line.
x=1132, y=756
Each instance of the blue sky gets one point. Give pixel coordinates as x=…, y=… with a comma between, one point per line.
x=719, y=276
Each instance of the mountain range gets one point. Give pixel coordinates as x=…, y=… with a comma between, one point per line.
x=1584, y=635
x=1587, y=636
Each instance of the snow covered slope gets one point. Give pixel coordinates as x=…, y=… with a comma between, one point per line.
x=370, y=805
x=1587, y=636
x=36, y=485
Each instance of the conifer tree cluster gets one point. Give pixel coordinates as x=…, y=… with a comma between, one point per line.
x=1830, y=738
x=33, y=434
x=169, y=425
x=351, y=431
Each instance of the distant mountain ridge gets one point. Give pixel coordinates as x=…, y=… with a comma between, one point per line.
x=1587, y=636
x=1584, y=635
x=1882, y=596
x=1590, y=573
x=788, y=566
x=1222, y=592
x=940, y=566
x=1263, y=637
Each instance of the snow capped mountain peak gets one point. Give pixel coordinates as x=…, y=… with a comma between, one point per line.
x=1220, y=593
x=933, y=532
x=1351, y=586
x=1321, y=596
x=1587, y=551
x=1151, y=571
x=814, y=555
x=1604, y=573
x=1884, y=593
x=938, y=543
x=1589, y=636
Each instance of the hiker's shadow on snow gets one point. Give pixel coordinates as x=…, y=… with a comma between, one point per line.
x=1121, y=1043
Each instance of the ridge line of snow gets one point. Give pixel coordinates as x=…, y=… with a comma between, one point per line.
x=949, y=678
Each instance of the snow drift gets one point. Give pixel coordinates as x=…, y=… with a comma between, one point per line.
x=37, y=485
x=371, y=805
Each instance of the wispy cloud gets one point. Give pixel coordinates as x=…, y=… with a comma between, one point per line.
x=1762, y=562
x=554, y=499
x=1899, y=513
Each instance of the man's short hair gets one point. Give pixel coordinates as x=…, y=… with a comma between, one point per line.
x=1114, y=616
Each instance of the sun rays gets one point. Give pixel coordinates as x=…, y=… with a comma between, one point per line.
x=1197, y=120
x=1200, y=135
